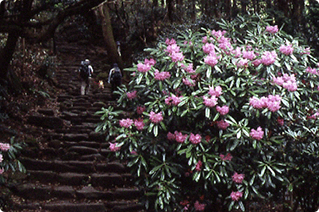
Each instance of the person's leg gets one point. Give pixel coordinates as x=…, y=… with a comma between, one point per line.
x=83, y=85
x=87, y=88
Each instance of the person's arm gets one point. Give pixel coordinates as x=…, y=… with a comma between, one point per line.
x=109, y=80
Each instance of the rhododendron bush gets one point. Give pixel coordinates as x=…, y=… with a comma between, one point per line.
x=218, y=118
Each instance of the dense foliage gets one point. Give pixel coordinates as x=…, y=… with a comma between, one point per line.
x=219, y=118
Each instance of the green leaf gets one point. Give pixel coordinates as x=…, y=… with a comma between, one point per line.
x=207, y=112
x=155, y=130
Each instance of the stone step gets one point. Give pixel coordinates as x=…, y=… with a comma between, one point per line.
x=61, y=166
x=34, y=191
x=71, y=206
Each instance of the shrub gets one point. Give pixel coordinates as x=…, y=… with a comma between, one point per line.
x=219, y=118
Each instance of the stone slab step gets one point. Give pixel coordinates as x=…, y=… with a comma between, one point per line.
x=73, y=166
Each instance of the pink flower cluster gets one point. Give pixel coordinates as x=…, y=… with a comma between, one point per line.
x=139, y=124
x=161, y=75
x=156, y=117
x=286, y=81
x=272, y=29
x=174, y=50
x=198, y=166
x=190, y=70
x=250, y=55
x=313, y=116
x=210, y=101
x=215, y=91
x=268, y=57
x=114, y=147
x=287, y=50
x=228, y=157
x=199, y=206
x=211, y=59
x=222, y=110
x=1, y=158
x=173, y=100
x=131, y=95
x=238, y=178
x=180, y=137
x=140, y=109
x=146, y=66
x=126, y=122
x=235, y=196
x=222, y=124
x=224, y=43
x=257, y=134
x=312, y=71
x=189, y=82
x=4, y=146
x=271, y=102
x=242, y=63
x=195, y=139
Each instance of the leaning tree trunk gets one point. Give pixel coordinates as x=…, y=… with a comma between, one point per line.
x=102, y=12
x=6, y=54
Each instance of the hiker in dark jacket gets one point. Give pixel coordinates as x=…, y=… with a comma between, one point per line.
x=115, y=77
x=85, y=72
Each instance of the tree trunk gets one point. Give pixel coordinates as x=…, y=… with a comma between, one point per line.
x=170, y=10
x=227, y=9
x=102, y=13
x=6, y=54
x=155, y=3
x=193, y=9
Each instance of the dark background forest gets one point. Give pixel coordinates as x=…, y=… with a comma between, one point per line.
x=31, y=30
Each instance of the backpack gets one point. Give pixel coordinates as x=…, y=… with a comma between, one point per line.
x=84, y=71
x=116, y=75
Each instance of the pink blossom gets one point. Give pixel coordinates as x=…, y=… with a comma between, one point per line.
x=199, y=206
x=280, y=121
x=312, y=71
x=173, y=100
x=177, y=56
x=224, y=43
x=195, y=139
x=211, y=60
x=218, y=33
x=222, y=124
x=209, y=48
x=228, y=157
x=269, y=58
x=139, y=124
x=1, y=158
x=172, y=48
x=287, y=50
x=222, y=110
x=238, y=178
x=271, y=102
x=235, y=196
x=242, y=63
x=140, y=109
x=257, y=62
x=131, y=95
x=1, y=171
x=257, y=134
x=180, y=138
x=156, y=117
x=143, y=67
x=272, y=29
x=170, y=136
x=170, y=41
x=250, y=55
x=114, y=148
x=215, y=91
x=210, y=102
x=237, y=52
x=161, y=75
x=306, y=51
x=4, y=146
x=126, y=122
x=150, y=62
x=198, y=166
x=189, y=82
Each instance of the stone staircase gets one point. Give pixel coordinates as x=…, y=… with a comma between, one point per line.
x=69, y=168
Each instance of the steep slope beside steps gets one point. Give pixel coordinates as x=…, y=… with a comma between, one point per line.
x=68, y=170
